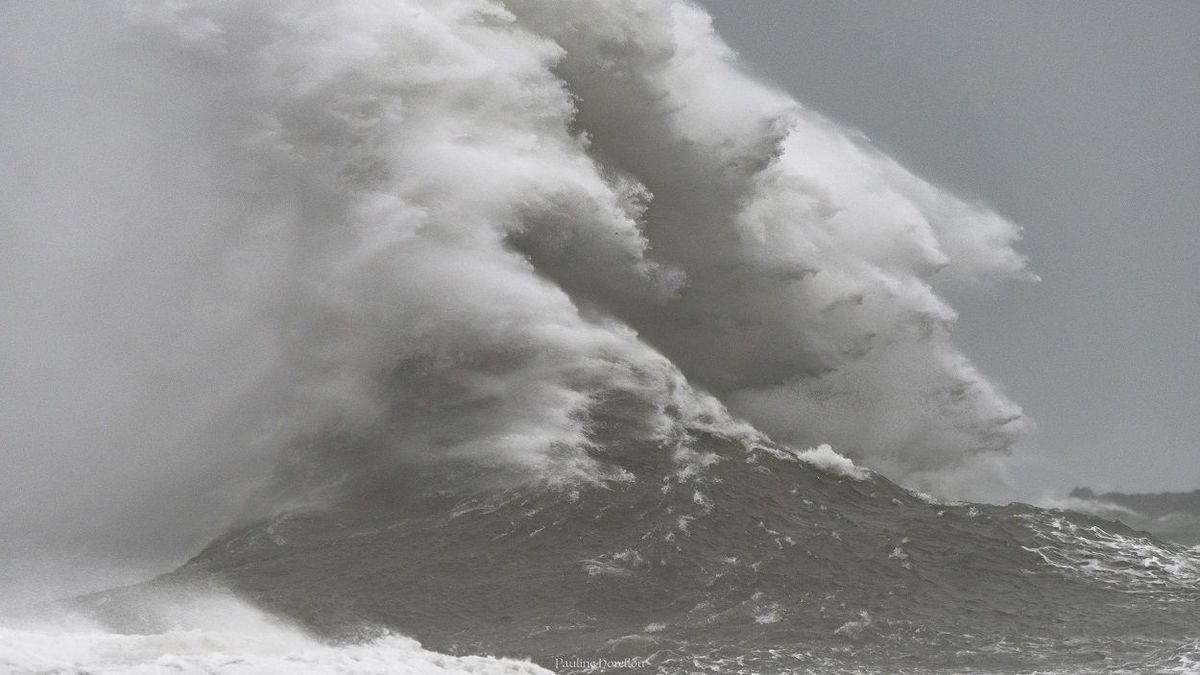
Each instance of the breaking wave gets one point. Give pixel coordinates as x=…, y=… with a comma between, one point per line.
x=532, y=328
x=341, y=237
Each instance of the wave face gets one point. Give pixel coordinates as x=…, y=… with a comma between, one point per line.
x=728, y=555
x=492, y=323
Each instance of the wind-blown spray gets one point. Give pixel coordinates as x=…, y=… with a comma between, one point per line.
x=306, y=242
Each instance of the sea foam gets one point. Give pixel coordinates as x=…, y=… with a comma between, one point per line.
x=221, y=634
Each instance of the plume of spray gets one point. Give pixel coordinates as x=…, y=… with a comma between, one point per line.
x=397, y=231
x=813, y=262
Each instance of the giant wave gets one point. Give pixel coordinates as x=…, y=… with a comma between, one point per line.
x=392, y=300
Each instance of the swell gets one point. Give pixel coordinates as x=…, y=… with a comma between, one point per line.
x=703, y=549
x=725, y=555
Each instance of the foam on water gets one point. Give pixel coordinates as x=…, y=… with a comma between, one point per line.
x=1123, y=560
x=220, y=634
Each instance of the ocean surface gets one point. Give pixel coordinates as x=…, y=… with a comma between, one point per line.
x=469, y=336
x=734, y=559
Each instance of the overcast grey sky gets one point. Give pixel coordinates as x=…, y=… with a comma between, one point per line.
x=1080, y=121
